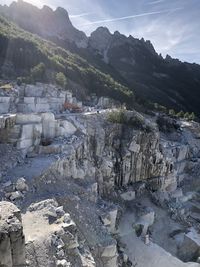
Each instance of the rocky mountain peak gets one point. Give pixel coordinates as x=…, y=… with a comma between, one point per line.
x=107, y=45
x=101, y=31
x=169, y=59
x=117, y=33
x=100, y=39
x=50, y=24
x=47, y=9
x=62, y=12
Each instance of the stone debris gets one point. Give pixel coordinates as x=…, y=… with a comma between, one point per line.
x=13, y=196
x=84, y=176
x=15, y=191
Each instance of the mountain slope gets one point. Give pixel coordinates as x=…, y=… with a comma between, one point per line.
x=20, y=51
x=53, y=25
x=166, y=81
x=130, y=61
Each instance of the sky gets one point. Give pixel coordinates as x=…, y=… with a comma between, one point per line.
x=173, y=26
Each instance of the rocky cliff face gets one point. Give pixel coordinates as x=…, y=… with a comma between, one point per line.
x=103, y=42
x=113, y=155
x=87, y=165
x=144, y=70
x=117, y=156
x=52, y=25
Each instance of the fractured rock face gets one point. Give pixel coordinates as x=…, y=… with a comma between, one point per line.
x=12, y=242
x=56, y=243
x=109, y=219
x=117, y=156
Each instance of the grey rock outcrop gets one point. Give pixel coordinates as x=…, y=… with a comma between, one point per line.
x=105, y=43
x=34, y=120
x=117, y=156
x=12, y=241
x=33, y=99
x=53, y=25
x=56, y=243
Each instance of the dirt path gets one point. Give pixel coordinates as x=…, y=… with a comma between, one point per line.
x=146, y=255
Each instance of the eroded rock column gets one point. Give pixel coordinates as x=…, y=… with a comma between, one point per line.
x=12, y=241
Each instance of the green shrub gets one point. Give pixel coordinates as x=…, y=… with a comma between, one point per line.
x=167, y=124
x=172, y=112
x=25, y=51
x=187, y=116
x=192, y=116
x=180, y=114
x=117, y=116
x=38, y=72
x=135, y=121
x=61, y=79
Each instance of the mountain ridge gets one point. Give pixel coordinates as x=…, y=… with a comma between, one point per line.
x=22, y=51
x=131, y=61
x=46, y=22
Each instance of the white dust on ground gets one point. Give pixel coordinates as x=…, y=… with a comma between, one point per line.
x=145, y=255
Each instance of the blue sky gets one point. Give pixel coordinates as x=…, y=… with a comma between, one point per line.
x=173, y=26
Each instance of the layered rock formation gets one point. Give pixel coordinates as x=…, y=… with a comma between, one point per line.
x=119, y=156
x=26, y=129
x=35, y=98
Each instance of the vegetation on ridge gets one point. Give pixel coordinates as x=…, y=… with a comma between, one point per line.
x=21, y=52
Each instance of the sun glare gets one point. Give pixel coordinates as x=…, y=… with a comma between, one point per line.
x=37, y=3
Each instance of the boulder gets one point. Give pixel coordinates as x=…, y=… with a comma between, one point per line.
x=128, y=196
x=190, y=248
x=59, y=211
x=109, y=251
x=21, y=185
x=48, y=203
x=146, y=217
x=66, y=128
x=109, y=219
x=28, y=118
x=17, y=195
x=63, y=263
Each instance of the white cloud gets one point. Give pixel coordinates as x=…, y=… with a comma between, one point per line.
x=130, y=17
x=80, y=15
x=156, y=2
x=171, y=33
